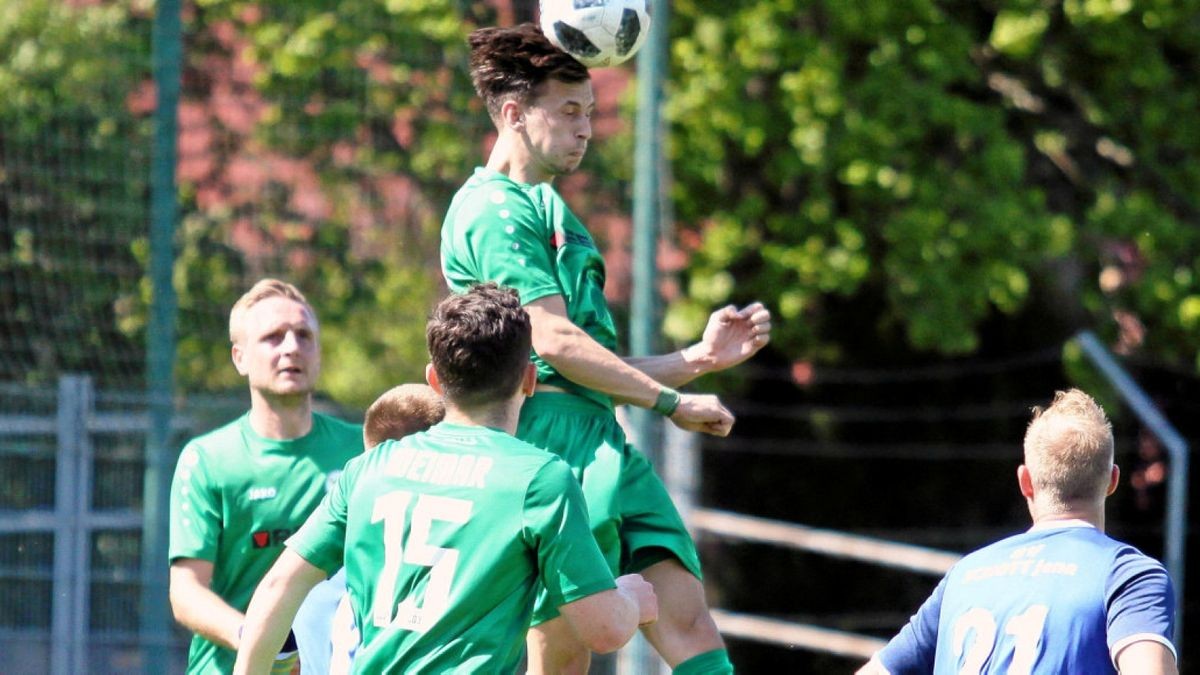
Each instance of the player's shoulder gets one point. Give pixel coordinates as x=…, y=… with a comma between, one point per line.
x=491, y=192
x=227, y=439
x=338, y=426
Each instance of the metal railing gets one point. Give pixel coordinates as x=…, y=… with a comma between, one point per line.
x=1175, y=527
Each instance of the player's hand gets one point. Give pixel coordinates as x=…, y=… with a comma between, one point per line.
x=732, y=336
x=703, y=413
x=642, y=592
x=287, y=661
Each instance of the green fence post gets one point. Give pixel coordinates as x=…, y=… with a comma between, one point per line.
x=160, y=349
x=647, y=212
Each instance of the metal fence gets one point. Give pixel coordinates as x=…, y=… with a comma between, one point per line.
x=71, y=523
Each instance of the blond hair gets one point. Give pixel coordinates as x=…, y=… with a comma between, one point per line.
x=401, y=411
x=1069, y=449
x=265, y=288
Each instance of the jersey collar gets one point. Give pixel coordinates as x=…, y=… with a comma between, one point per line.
x=1060, y=525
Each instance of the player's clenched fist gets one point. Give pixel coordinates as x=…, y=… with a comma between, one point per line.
x=731, y=336
x=642, y=592
x=703, y=413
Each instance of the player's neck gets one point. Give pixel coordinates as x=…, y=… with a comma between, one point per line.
x=1089, y=514
x=510, y=158
x=495, y=416
x=282, y=417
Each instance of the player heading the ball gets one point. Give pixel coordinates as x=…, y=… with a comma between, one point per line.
x=508, y=224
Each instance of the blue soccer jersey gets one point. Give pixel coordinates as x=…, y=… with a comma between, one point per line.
x=1060, y=598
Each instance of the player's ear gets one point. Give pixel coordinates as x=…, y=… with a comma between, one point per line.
x=237, y=355
x=529, y=384
x=432, y=378
x=1113, y=481
x=512, y=115
x=1025, y=481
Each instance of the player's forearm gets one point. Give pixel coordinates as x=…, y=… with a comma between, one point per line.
x=203, y=612
x=272, y=610
x=675, y=369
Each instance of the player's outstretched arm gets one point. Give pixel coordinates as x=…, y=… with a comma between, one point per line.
x=272, y=610
x=605, y=621
x=197, y=607
x=581, y=359
x=1146, y=657
x=731, y=336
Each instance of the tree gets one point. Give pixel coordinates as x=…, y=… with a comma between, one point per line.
x=955, y=161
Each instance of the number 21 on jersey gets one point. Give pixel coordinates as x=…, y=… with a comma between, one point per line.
x=1025, y=630
x=393, y=508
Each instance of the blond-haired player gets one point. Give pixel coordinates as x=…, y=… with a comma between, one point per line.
x=242, y=489
x=1060, y=598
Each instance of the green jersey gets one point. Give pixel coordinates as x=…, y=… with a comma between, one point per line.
x=525, y=237
x=236, y=497
x=443, y=535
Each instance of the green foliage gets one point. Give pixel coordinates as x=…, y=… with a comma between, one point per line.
x=940, y=164
x=952, y=160
x=331, y=136
x=72, y=189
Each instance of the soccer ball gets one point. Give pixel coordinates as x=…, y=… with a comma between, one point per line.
x=598, y=33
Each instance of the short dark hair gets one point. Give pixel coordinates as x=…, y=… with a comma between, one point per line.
x=512, y=63
x=400, y=411
x=479, y=343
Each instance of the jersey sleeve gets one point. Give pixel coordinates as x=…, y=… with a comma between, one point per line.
x=321, y=540
x=510, y=242
x=555, y=524
x=1141, y=602
x=913, y=649
x=195, y=509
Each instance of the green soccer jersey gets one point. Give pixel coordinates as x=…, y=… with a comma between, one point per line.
x=443, y=535
x=525, y=237
x=237, y=496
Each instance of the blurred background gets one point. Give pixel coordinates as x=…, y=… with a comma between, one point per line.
x=933, y=198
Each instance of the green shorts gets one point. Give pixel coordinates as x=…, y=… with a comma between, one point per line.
x=632, y=516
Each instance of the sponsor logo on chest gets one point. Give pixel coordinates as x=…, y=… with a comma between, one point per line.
x=270, y=538
x=258, y=494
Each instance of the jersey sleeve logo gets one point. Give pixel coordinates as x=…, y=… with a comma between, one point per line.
x=559, y=239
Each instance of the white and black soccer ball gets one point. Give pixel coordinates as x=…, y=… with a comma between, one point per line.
x=598, y=33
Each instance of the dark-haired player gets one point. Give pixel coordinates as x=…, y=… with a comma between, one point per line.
x=507, y=224
x=444, y=533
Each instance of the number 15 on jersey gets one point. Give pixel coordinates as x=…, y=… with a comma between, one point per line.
x=393, y=508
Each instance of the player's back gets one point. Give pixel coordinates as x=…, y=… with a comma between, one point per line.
x=1037, y=602
x=438, y=539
